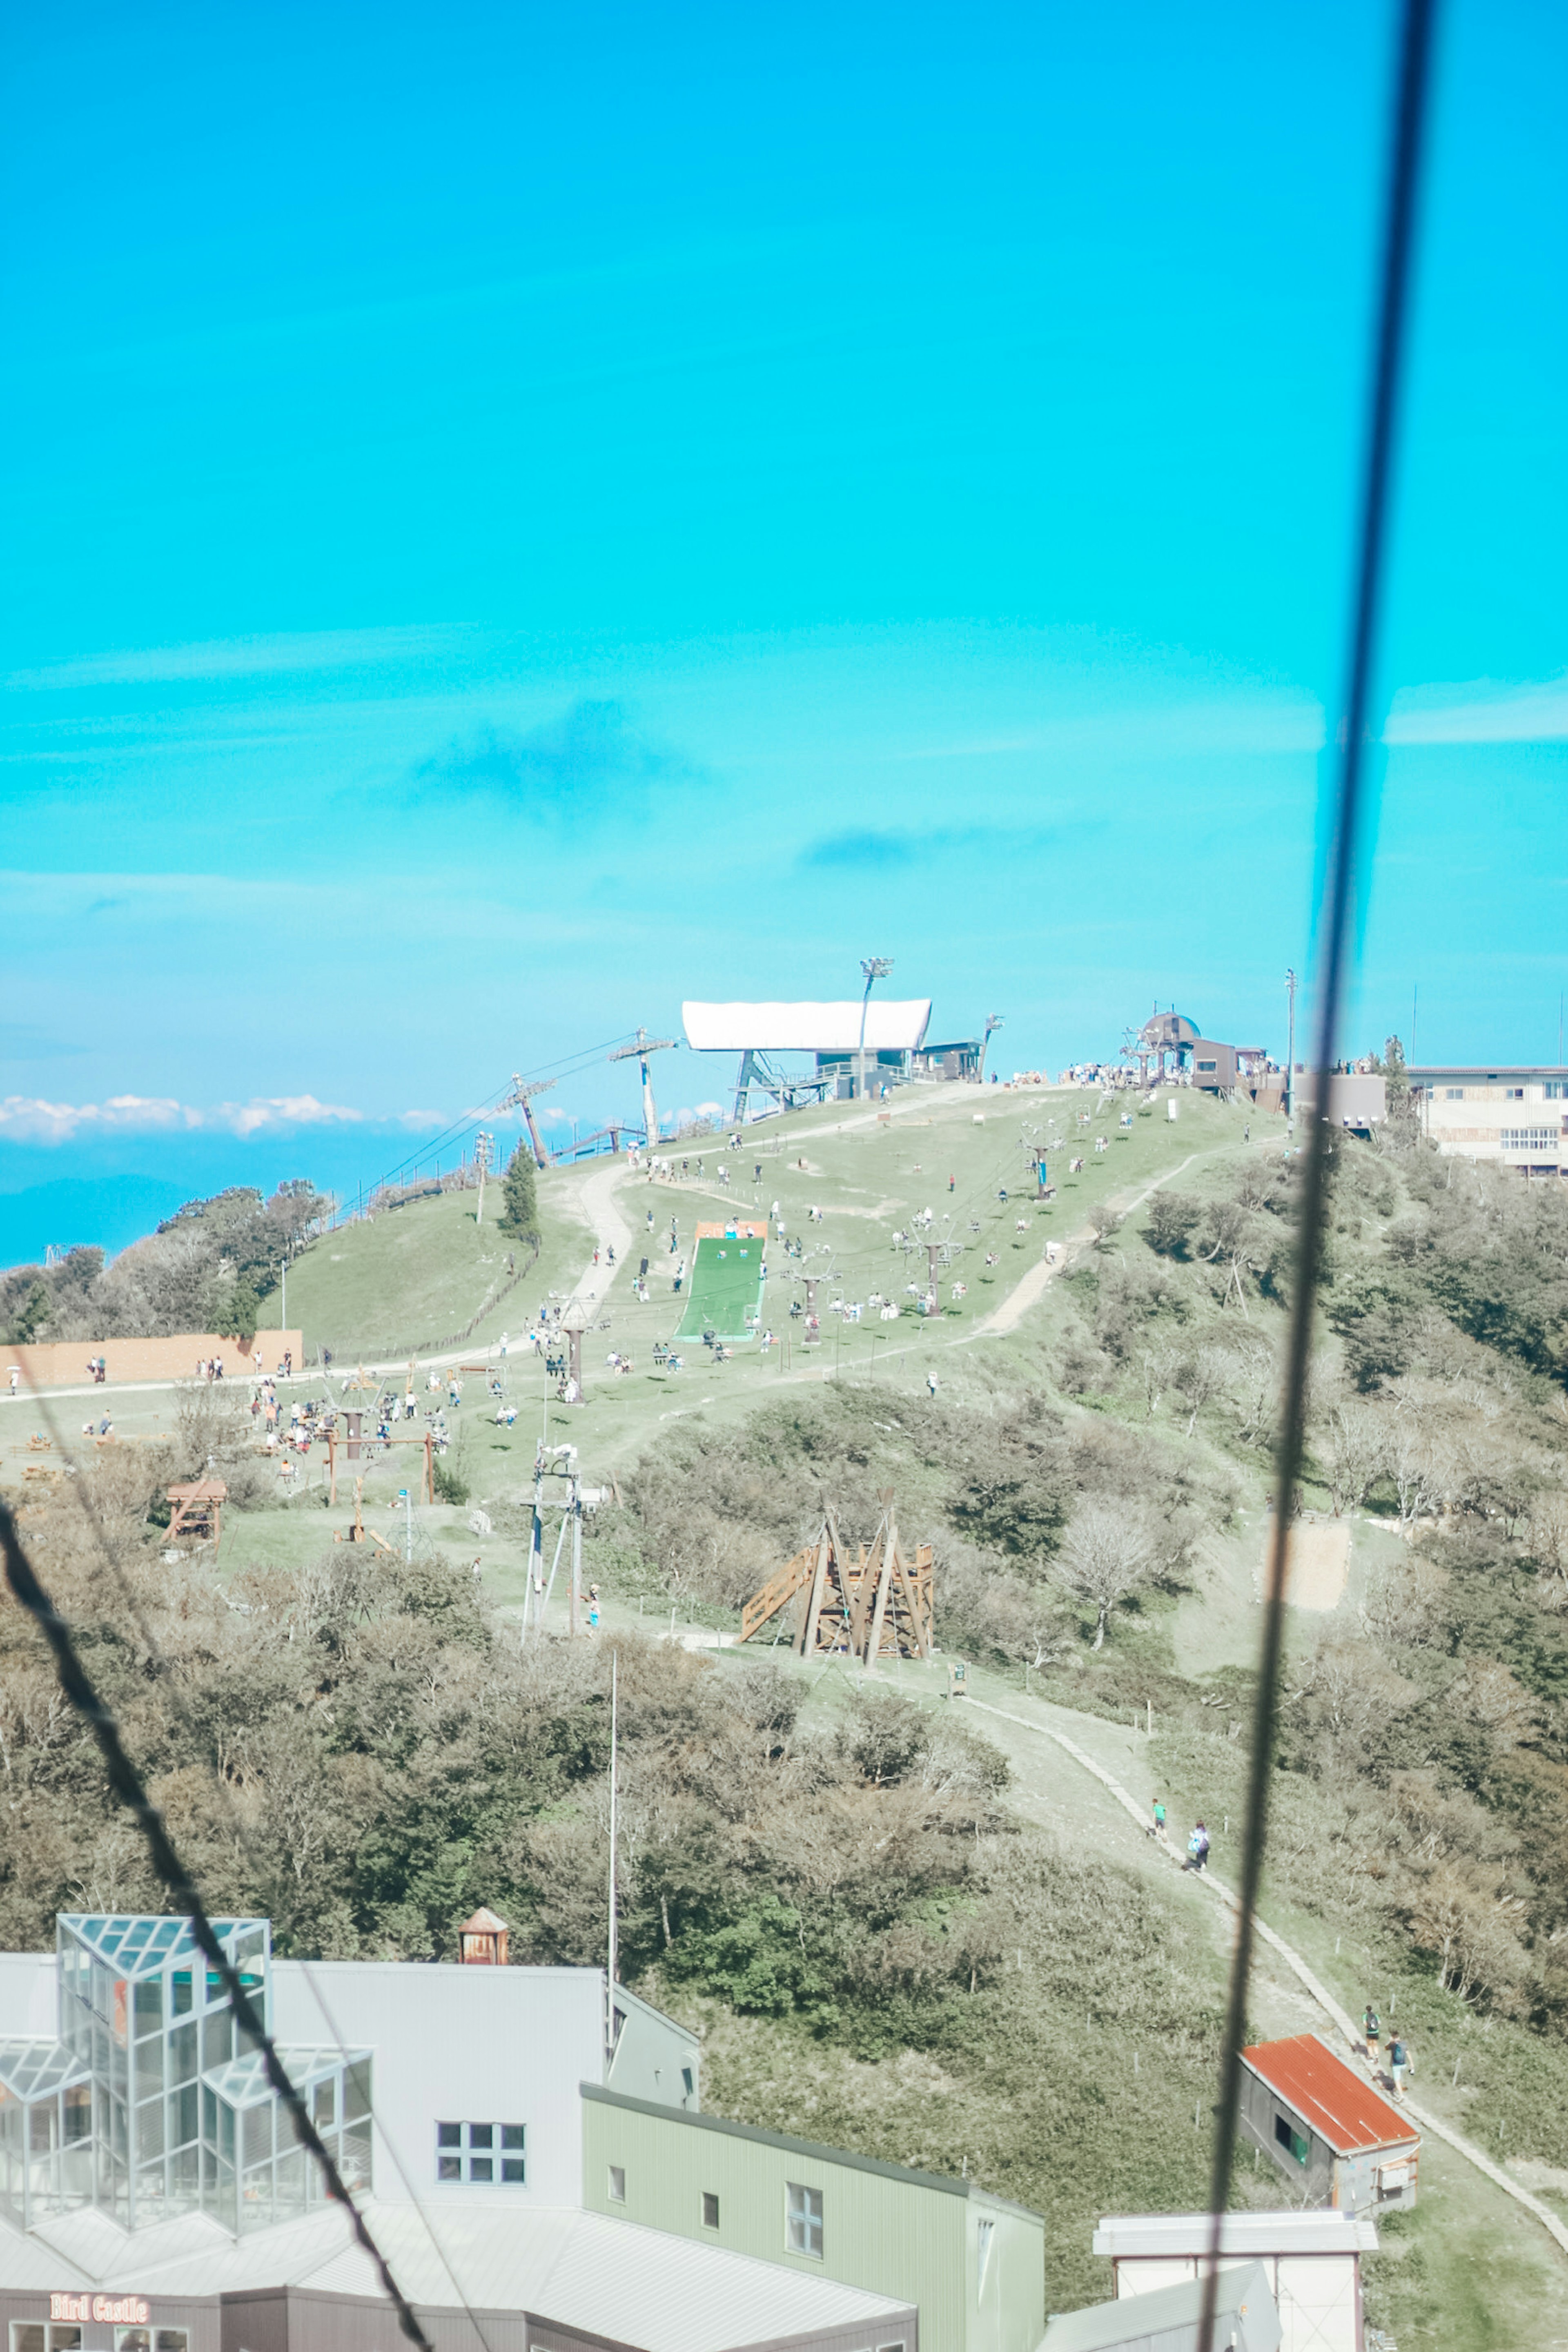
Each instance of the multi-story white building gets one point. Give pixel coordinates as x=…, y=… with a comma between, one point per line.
x=1516, y=1116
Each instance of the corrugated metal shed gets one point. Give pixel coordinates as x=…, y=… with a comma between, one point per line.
x=1167, y=2320
x=892, y=1026
x=1340, y=2104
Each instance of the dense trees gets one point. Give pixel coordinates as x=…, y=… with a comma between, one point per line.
x=206, y=1269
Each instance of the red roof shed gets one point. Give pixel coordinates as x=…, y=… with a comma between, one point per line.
x=1325, y=2125
x=1341, y=2105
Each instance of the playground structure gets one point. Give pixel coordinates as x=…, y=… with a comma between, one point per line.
x=197, y=1515
x=871, y=1604
x=352, y=1438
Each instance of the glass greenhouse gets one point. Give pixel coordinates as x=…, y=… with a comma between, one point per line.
x=152, y=2102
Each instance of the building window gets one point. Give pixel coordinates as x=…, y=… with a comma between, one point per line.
x=151, y=2339
x=1291, y=2140
x=1454, y=1093
x=482, y=2153
x=618, y=2184
x=1206, y=1065
x=1554, y=1089
x=32, y=2336
x=803, y=2219
x=984, y=2233
x=1513, y=1094
x=688, y=2080
x=710, y=2209
x=1541, y=1142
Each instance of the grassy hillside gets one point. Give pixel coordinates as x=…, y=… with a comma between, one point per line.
x=416, y=1274
x=1045, y=2014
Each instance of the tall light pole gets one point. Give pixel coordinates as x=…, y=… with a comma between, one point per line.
x=874, y=968
x=1291, y=1052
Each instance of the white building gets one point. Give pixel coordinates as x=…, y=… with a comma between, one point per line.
x=154, y=2195
x=1312, y=2263
x=1516, y=1116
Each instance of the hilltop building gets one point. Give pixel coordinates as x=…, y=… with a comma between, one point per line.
x=1311, y=2263
x=772, y=1040
x=1516, y=1117
x=527, y=2144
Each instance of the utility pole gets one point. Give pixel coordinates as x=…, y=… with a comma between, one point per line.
x=615, y=1725
x=576, y=1509
x=283, y=1276
x=1290, y=1053
x=874, y=968
x=483, y=1146
x=993, y=1023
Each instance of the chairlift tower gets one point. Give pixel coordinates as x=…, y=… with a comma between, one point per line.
x=640, y=1053
x=521, y=1099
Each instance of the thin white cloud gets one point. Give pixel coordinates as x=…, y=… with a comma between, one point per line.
x=32, y=1118
x=1481, y=712
x=298, y=651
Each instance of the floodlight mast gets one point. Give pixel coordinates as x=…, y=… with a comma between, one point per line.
x=521, y=1099
x=874, y=968
x=640, y=1053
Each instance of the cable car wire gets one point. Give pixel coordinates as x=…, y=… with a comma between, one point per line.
x=1407, y=128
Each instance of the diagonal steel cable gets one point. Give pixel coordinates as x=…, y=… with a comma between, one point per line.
x=127, y=1785
x=1411, y=90
x=171, y=1684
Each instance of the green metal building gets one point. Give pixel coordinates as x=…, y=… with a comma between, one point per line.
x=974, y=2264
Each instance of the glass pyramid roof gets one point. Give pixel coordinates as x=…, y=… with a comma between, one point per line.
x=31, y=2070
x=139, y=1946
x=243, y=2080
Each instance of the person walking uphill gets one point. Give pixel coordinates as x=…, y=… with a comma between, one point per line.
x=1371, y=2034
x=1399, y=2065
x=1198, y=1849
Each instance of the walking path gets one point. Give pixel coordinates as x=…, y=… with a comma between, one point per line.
x=1313, y=1984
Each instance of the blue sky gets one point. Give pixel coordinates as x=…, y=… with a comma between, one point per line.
x=517, y=517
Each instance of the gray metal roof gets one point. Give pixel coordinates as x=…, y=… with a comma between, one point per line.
x=607, y=2277
x=943, y=2182
x=1166, y=2320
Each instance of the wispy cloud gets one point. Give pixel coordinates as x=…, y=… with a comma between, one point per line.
x=1481, y=712
x=858, y=852
x=594, y=761
x=300, y=651
x=33, y=1119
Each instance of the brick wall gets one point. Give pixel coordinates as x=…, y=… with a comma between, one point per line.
x=63, y=1363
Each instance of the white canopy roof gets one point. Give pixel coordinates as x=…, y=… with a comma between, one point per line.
x=892, y=1026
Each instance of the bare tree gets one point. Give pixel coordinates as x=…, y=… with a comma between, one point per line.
x=1105, y=1555
x=1202, y=1375
x=1358, y=1454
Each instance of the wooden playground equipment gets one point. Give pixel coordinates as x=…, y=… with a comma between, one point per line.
x=354, y=1437
x=875, y=1602
x=197, y=1515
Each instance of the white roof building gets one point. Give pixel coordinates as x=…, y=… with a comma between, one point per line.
x=892, y=1026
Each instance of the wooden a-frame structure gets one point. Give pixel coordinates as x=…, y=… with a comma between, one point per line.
x=870, y=1602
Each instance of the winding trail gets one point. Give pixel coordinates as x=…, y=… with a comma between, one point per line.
x=1297, y=1966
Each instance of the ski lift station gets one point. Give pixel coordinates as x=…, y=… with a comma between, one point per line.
x=773, y=1041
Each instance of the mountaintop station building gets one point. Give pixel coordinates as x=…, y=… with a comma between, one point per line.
x=527, y=2144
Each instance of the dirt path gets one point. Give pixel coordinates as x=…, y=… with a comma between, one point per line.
x=602, y=1213
x=1338, y=2016
x=1032, y=1288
